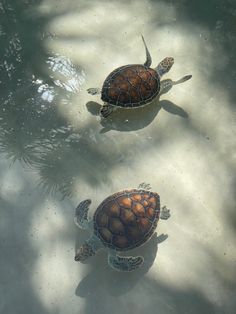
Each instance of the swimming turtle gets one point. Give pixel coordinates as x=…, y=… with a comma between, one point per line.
x=133, y=85
x=123, y=221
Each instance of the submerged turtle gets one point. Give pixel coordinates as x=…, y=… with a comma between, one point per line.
x=133, y=85
x=123, y=221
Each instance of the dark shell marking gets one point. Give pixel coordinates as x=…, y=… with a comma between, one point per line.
x=131, y=86
x=127, y=219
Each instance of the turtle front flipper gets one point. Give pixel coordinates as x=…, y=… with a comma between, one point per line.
x=164, y=66
x=148, y=61
x=124, y=263
x=106, y=110
x=94, y=91
x=165, y=213
x=81, y=214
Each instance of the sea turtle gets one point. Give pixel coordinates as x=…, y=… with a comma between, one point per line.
x=133, y=85
x=123, y=221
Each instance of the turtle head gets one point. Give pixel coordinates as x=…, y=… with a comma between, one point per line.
x=164, y=66
x=84, y=252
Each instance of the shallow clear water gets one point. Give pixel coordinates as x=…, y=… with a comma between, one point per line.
x=56, y=152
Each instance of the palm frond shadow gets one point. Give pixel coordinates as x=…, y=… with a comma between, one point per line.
x=60, y=165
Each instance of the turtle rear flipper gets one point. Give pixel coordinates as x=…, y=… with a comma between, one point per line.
x=183, y=79
x=89, y=248
x=124, y=263
x=167, y=84
x=106, y=110
x=81, y=214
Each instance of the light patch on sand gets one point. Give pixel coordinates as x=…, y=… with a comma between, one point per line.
x=11, y=184
x=55, y=272
x=55, y=278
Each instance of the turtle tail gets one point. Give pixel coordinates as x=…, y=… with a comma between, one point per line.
x=106, y=110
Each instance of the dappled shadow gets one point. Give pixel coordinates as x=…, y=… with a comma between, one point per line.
x=26, y=118
x=153, y=296
x=218, y=19
x=104, y=284
x=60, y=165
x=18, y=254
x=36, y=86
x=231, y=219
x=102, y=277
x=33, y=131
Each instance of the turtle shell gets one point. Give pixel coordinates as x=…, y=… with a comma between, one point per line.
x=131, y=86
x=127, y=219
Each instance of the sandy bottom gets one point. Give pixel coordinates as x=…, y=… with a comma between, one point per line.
x=56, y=151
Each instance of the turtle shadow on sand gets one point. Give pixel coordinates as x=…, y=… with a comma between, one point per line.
x=102, y=278
x=132, y=119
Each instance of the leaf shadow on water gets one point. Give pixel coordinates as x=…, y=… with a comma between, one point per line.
x=21, y=53
x=35, y=85
x=125, y=120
